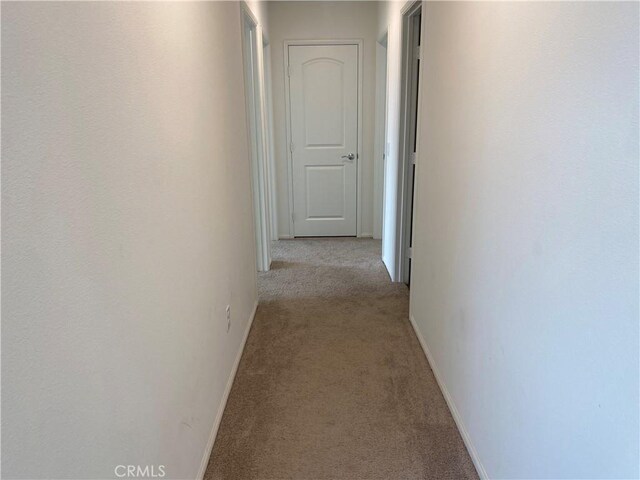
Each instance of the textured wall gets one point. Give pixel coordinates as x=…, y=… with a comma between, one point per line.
x=525, y=272
x=126, y=230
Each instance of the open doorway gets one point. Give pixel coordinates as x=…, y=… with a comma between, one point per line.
x=257, y=118
x=411, y=36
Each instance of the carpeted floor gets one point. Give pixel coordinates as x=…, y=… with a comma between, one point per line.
x=333, y=383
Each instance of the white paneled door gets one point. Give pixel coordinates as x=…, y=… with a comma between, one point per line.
x=323, y=99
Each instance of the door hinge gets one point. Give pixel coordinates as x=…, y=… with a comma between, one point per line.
x=413, y=158
x=409, y=252
x=417, y=54
x=288, y=70
x=293, y=217
x=291, y=147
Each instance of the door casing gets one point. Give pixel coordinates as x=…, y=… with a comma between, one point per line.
x=271, y=175
x=257, y=130
x=408, y=109
x=360, y=43
x=380, y=137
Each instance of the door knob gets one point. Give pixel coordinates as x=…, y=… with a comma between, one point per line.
x=349, y=157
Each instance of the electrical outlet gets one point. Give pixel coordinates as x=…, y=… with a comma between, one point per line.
x=228, y=317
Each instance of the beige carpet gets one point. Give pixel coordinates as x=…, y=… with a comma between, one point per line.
x=333, y=383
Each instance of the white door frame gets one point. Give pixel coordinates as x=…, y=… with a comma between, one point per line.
x=380, y=137
x=359, y=43
x=257, y=122
x=405, y=193
x=271, y=159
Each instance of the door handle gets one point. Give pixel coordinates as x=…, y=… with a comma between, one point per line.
x=349, y=157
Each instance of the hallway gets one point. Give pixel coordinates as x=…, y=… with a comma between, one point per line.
x=333, y=382
x=211, y=211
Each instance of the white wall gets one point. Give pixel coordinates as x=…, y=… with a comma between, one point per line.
x=322, y=20
x=525, y=270
x=126, y=230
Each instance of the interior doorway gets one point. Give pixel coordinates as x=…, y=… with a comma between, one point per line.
x=409, y=131
x=323, y=106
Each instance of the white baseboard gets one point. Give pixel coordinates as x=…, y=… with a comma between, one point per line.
x=225, y=397
x=365, y=235
x=285, y=237
x=452, y=406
